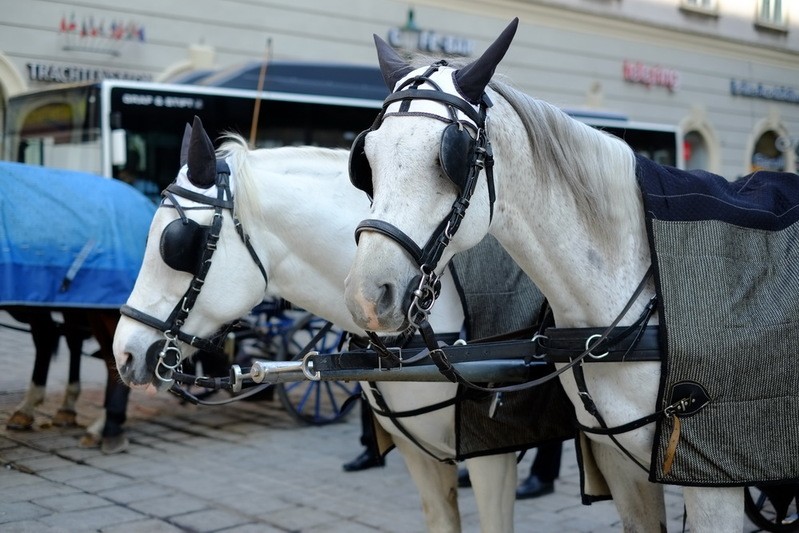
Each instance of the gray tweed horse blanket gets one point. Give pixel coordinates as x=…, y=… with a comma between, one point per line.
x=498, y=298
x=726, y=258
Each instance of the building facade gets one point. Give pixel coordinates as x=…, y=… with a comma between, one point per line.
x=725, y=71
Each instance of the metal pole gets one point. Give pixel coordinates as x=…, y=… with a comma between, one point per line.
x=261, y=76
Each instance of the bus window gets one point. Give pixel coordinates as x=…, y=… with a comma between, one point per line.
x=134, y=170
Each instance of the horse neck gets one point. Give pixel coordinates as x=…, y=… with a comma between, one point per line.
x=307, y=238
x=586, y=265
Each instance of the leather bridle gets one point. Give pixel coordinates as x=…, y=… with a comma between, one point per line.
x=426, y=289
x=170, y=355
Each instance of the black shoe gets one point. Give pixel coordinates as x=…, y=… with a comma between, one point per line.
x=463, y=478
x=366, y=460
x=532, y=487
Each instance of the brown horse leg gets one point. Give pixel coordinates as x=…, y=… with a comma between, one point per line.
x=104, y=324
x=75, y=332
x=45, y=341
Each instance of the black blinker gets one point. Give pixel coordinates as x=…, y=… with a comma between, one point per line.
x=457, y=154
x=182, y=245
x=360, y=170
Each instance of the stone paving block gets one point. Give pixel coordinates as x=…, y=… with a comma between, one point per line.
x=42, y=463
x=31, y=526
x=139, y=468
x=253, y=528
x=56, y=441
x=32, y=491
x=92, y=519
x=72, y=502
x=169, y=505
x=68, y=473
x=135, y=491
x=108, y=462
x=210, y=520
x=346, y=526
x=385, y=518
x=100, y=482
x=81, y=455
x=11, y=477
x=6, y=443
x=18, y=453
x=142, y=526
x=21, y=510
x=299, y=518
x=252, y=503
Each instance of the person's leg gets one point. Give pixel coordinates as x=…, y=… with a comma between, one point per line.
x=543, y=472
x=370, y=457
x=113, y=440
x=547, y=462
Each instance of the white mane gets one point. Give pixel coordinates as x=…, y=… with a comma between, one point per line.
x=597, y=168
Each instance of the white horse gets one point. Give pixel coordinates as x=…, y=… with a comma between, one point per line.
x=300, y=211
x=567, y=209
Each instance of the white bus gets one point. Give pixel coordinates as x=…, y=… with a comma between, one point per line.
x=112, y=126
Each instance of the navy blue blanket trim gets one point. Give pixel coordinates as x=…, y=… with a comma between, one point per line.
x=762, y=200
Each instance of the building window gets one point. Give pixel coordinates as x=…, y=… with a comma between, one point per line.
x=707, y=7
x=700, y=4
x=696, y=151
x=767, y=154
x=771, y=14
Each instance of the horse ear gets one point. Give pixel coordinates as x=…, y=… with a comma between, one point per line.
x=473, y=78
x=201, y=157
x=392, y=66
x=184, y=145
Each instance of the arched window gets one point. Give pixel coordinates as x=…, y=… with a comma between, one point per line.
x=701, y=149
x=695, y=151
x=766, y=154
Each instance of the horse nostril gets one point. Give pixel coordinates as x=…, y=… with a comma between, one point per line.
x=386, y=299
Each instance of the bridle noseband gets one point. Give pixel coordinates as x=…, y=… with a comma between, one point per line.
x=462, y=158
x=176, y=244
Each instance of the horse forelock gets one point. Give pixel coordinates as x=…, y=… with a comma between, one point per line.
x=596, y=168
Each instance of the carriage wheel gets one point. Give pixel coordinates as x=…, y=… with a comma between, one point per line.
x=315, y=402
x=773, y=508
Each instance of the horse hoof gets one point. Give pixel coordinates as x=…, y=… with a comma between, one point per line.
x=65, y=418
x=115, y=444
x=20, y=421
x=89, y=440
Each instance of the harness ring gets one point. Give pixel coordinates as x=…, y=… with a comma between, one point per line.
x=588, y=343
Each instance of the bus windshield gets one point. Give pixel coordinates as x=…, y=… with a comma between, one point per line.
x=58, y=128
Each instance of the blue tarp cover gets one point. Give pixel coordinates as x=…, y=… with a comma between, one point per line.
x=59, y=225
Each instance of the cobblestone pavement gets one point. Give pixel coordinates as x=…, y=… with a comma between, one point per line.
x=242, y=467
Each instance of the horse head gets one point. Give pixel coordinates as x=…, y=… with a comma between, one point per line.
x=184, y=291
x=427, y=158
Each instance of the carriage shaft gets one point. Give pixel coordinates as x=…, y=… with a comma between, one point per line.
x=479, y=371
